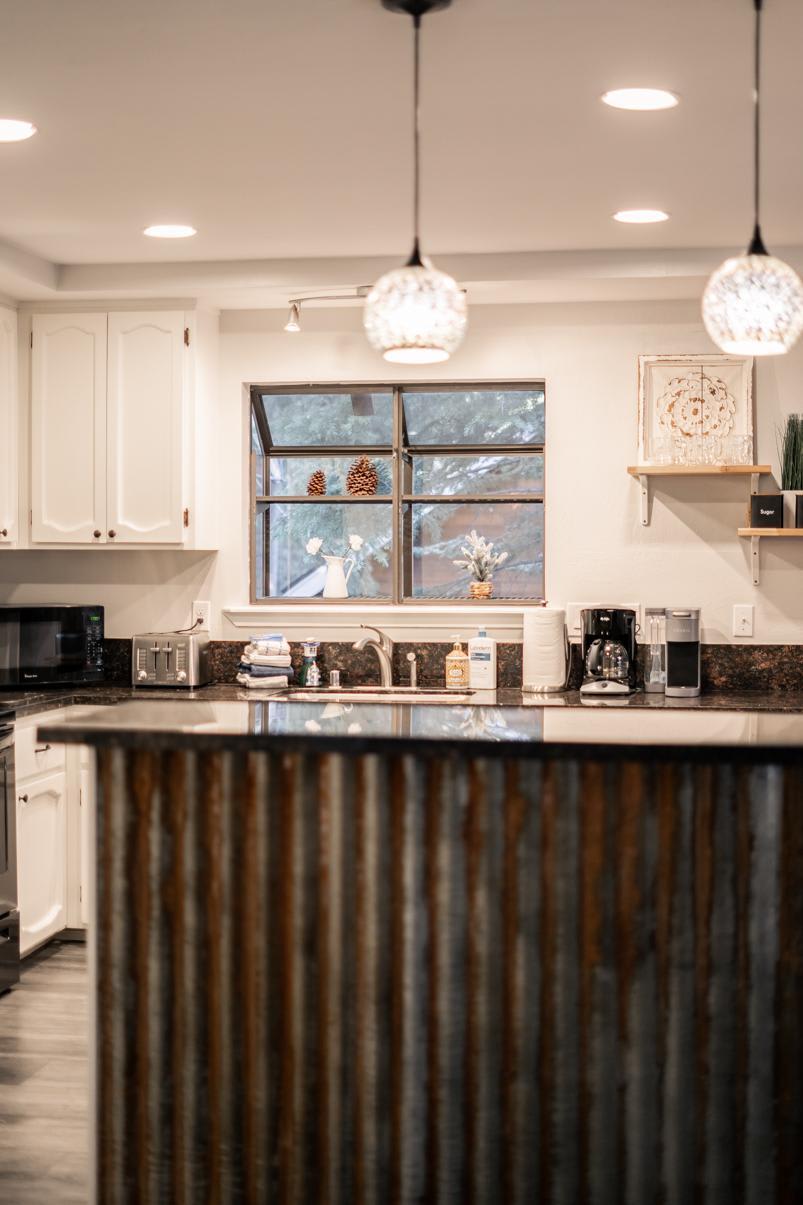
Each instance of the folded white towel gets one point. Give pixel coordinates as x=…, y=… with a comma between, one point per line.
x=268, y=647
x=270, y=684
x=282, y=660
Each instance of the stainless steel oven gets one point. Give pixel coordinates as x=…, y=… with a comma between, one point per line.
x=9, y=912
x=50, y=645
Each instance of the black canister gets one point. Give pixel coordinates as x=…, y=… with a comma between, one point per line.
x=766, y=510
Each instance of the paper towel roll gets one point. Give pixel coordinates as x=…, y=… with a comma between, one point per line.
x=546, y=650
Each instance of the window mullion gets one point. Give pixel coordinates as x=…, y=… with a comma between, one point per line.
x=397, y=544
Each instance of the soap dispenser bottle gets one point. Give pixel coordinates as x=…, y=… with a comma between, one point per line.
x=482, y=661
x=456, y=666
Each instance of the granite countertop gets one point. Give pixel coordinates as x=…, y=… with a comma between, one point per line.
x=31, y=702
x=740, y=725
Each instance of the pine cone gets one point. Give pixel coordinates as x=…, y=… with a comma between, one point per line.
x=316, y=486
x=362, y=477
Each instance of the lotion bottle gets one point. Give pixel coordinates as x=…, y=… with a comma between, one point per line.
x=456, y=667
x=482, y=661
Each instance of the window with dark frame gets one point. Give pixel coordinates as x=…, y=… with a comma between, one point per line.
x=410, y=471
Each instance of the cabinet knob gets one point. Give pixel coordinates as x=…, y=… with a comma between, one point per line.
x=4, y=532
x=23, y=798
x=112, y=533
x=97, y=533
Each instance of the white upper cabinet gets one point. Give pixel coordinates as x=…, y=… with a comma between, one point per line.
x=123, y=420
x=144, y=434
x=68, y=429
x=9, y=503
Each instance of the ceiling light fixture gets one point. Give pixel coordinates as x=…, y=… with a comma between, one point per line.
x=293, y=324
x=170, y=230
x=753, y=303
x=646, y=100
x=12, y=130
x=641, y=217
x=416, y=314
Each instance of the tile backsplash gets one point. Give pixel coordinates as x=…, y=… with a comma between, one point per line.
x=766, y=667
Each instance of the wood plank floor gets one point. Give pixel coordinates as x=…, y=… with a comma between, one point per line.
x=44, y=1081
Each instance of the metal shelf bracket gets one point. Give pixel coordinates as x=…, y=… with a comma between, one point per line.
x=644, y=487
x=755, y=542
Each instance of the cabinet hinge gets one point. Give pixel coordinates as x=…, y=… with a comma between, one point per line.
x=186, y=516
x=186, y=336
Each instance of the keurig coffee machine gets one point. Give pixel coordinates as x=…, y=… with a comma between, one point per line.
x=682, y=652
x=609, y=651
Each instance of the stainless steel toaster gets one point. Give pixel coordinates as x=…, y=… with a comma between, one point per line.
x=170, y=659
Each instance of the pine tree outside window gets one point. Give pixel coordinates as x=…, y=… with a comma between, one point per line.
x=410, y=471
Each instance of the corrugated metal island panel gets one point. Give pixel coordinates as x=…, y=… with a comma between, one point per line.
x=361, y=980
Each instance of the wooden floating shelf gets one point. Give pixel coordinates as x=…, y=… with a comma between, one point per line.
x=697, y=470
x=756, y=534
x=773, y=532
x=645, y=471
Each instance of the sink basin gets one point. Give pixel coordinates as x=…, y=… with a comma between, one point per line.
x=375, y=694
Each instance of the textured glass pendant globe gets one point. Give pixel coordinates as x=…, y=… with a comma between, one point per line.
x=415, y=315
x=753, y=306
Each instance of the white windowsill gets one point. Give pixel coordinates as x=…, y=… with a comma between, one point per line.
x=328, y=621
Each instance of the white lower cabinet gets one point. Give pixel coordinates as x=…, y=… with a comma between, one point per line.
x=41, y=858
x=55, y=823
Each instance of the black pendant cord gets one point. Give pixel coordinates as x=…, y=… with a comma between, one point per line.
x=757, y=244
x=415, y=260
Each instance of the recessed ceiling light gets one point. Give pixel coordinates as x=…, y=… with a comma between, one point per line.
x=646, y=99
x=12, y=130
x=169, y=231
x=640, y=217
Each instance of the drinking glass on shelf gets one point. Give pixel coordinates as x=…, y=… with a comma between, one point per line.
x=680, y=454
x=662, y=449
x=738, y=449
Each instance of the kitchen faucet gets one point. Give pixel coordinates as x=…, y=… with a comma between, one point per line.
x=383, y=647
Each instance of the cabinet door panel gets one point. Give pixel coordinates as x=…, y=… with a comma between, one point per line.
x=145, y=423
x=9, y=504
x=68, y=428
x=41, y=858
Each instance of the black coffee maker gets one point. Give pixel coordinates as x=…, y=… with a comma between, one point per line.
x=609, y=651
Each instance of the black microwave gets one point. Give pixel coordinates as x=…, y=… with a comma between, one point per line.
x=50, y=646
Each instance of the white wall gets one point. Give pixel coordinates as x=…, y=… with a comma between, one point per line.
x=596, y=548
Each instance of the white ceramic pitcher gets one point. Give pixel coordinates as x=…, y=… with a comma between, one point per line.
x=337, y=576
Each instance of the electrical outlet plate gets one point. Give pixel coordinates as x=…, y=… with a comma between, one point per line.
x=574, y=621
x=202, y=611
x=743, y=619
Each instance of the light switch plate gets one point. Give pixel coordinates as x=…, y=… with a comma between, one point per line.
x=743, y=619
x=202, y=611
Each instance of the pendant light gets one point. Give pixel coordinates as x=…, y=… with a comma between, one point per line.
x=416, y=314
x=753, y=304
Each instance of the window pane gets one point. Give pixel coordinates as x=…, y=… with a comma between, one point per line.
x=513, y=416
x=299, y=419
x=478, y=474
x=294, y=573
x=293, y=474
x=439, y=532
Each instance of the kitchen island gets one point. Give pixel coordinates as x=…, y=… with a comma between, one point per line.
x=491, y=953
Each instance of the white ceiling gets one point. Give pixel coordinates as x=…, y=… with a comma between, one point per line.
x=282, y=131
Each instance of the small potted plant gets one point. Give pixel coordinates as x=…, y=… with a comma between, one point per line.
x=790, y=451
x=480, y=560
x=337, y=576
